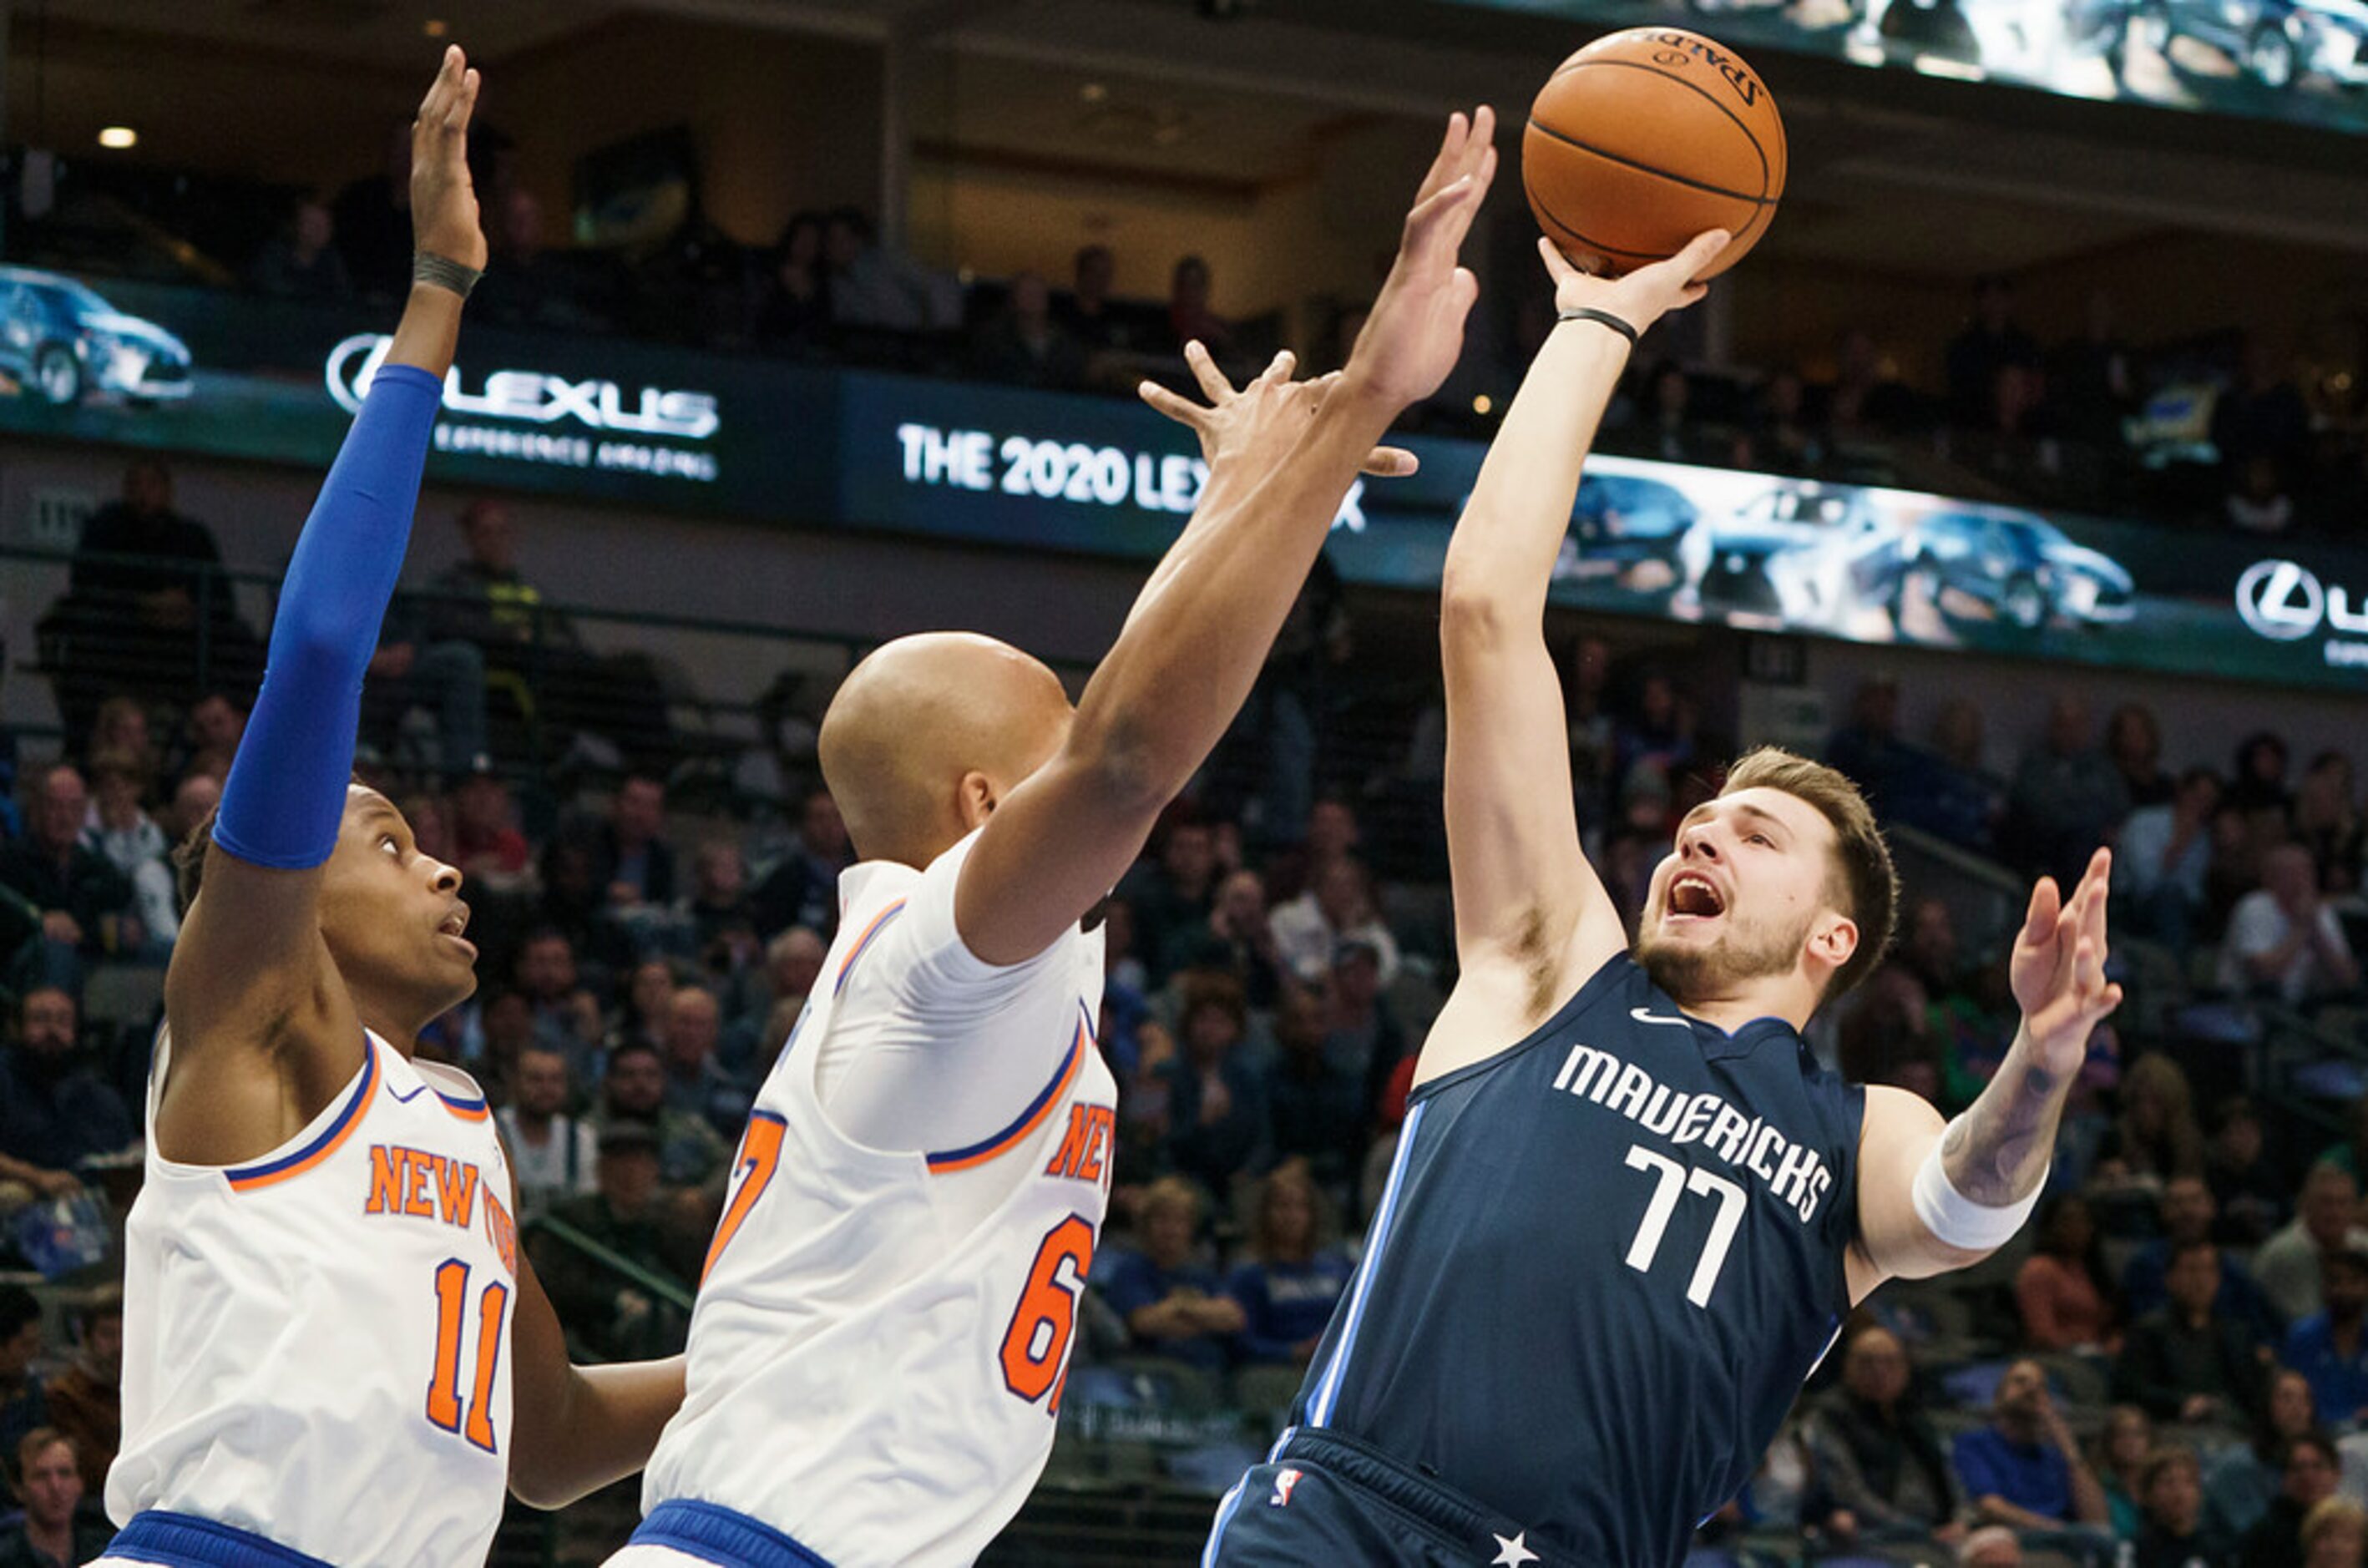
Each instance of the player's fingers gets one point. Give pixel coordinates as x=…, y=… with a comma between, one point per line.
x=2039, y=920
x=1700, y=252
x=431, y=103
x=2100, y=873
x=467, y=106
x=2088, y=968
x=1558, y=265
x=1280, y=368
x=1484, y=135
x=1444, y=165
x=1204, y=370
x=1458, y=222
x=1430, y=231
x=1463, y=292
x=1391, y=462
x=1180, y=409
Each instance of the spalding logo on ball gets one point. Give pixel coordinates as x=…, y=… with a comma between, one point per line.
x=1645, y=138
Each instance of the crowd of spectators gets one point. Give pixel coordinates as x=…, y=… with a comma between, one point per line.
x=2194, y=1303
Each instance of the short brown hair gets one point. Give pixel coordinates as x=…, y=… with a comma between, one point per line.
x=1864, y=887
x=36, y=1443
x=1211, y=989
x=2165, y=1458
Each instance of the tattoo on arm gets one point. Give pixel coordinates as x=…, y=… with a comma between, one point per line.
x=1998, y=1149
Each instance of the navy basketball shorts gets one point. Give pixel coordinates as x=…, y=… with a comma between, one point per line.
x=1326, y=1498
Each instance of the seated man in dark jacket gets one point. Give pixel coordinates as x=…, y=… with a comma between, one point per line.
x=607, y=1314
x=1876, y=1451
x=2188, y=1362
x=2313, y=1468
x=48, y=1482
x=54, y=1111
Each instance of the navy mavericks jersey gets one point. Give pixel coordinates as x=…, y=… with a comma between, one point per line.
x=1606, y=1259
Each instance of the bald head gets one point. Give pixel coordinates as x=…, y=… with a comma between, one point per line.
x=926, y=735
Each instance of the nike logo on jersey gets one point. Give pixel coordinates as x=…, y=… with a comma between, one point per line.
x=1644, y=1016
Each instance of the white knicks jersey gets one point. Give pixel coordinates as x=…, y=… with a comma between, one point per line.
x=882, y=1336
x=314, y=1342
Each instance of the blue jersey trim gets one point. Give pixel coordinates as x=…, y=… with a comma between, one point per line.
x=714, y=1533
x=1228, y=1506
x=995, y=1143
x=1327, y=1390
x=247, y=1178
x=184, y=1540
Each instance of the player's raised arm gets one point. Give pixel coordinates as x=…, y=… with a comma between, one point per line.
x=1281, y=458
x=1528, y=911
x=1934, y=1196
x=251, y=972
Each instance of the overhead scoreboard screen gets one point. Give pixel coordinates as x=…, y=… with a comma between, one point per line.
x=2304, y=61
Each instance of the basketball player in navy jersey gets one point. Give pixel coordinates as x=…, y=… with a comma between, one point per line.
x=334, y=1350
x=1627, y=1211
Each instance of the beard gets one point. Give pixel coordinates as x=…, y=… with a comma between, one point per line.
x=1690, y=972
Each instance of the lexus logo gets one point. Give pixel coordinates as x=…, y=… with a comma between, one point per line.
x=2281, y=600
x=533, y=397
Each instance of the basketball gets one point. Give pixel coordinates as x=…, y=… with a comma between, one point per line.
x=1645, y=138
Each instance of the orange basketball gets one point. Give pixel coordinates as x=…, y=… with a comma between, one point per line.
x=1645, y=138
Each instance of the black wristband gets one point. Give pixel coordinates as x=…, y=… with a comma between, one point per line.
x=1604, y=318
x=443, y=272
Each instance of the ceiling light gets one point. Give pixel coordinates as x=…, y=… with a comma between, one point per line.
x=435, y=26
x=1093, y=91
x=119, y=137
x=1482, y=404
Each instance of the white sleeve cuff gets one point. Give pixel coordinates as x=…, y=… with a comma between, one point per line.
x=1958, y=1220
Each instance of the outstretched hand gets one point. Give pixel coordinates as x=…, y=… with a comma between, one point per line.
x=1257, y=425
x=1415, y=333
x=444, y=220
x=1641, y=297
x=2059, y=969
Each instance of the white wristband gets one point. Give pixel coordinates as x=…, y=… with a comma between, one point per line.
x=1958, y=1220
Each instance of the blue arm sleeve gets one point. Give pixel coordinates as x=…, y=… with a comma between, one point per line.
x=287, y=788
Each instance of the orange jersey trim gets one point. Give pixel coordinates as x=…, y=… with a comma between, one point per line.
x=1029, y=1119
x=871, y=935
x=248, y=1178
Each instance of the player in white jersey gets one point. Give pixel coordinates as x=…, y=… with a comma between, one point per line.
x=879, y=1342
x=334, y=1350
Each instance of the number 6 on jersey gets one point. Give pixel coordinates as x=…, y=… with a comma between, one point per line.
x=1036, y=1345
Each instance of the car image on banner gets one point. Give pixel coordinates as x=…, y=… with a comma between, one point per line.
x=1763, y=554
x=62, y=343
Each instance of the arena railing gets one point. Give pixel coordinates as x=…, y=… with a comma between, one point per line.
x=724, y=706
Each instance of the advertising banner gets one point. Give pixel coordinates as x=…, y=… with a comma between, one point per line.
x=678, y=431
x=273, y=381
x=2299, y=60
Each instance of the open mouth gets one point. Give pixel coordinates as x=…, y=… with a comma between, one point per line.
x=1694, y=896
x=456, y=921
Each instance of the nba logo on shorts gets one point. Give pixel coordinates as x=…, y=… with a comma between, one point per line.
x=1284, y=1480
